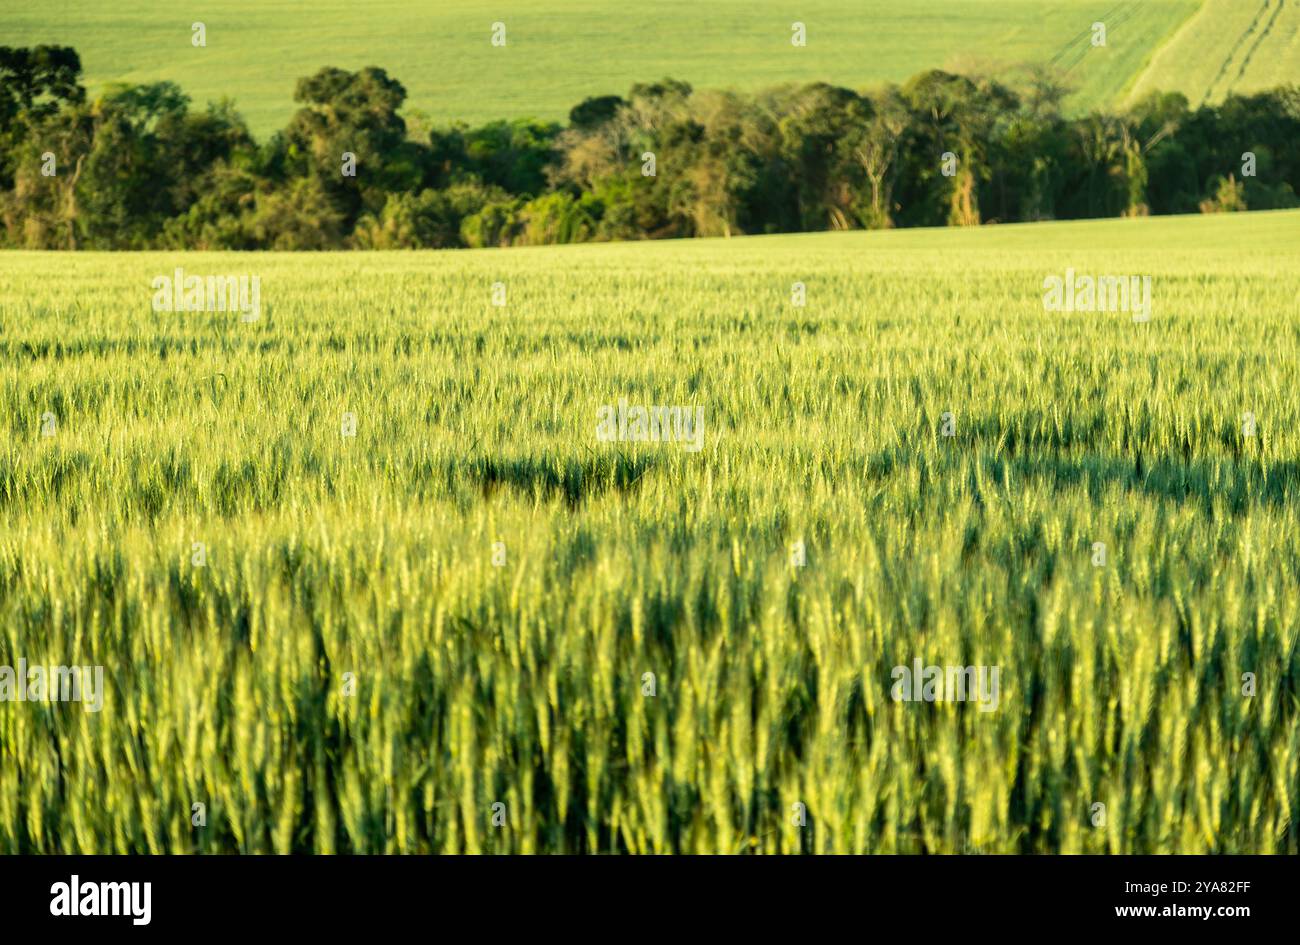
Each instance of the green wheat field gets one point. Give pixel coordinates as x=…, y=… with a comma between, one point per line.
x=523, y=684
x=559, y=53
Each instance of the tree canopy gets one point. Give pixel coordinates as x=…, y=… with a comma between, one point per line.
x=139, y=166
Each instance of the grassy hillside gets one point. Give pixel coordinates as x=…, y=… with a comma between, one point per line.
x=1229, y=46
x=523, y=681
x=574, y=48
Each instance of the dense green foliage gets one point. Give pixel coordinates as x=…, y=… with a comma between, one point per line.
x=137, y=168
x=523, y=684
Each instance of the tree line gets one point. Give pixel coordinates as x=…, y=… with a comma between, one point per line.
x=137, y=167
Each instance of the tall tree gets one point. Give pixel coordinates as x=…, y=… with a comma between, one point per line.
x=34, y=84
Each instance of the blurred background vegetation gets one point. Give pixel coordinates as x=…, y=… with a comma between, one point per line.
x=137, y=166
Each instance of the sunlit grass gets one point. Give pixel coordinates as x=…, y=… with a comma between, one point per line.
x=522, y=684
x=556, y=56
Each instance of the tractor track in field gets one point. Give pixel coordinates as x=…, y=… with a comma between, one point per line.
x=1268, y=28
x=1126, y=12
x=1083, y=35
x=1232, y=53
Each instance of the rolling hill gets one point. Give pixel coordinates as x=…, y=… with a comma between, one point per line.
x=554, y=59
x=1229, y=46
